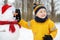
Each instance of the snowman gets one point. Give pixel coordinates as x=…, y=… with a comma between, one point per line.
x=9, y=28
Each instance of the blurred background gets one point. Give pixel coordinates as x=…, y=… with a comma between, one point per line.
x=26, y=8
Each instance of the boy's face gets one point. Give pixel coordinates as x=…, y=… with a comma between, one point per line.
x=41, y=13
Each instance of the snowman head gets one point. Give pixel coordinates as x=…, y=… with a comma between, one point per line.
x=10, y=2
x=1, y=2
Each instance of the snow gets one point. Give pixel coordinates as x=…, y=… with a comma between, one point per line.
x=58, y=32
x=26, y=34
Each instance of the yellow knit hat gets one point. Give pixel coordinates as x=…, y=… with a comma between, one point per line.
x=38, y=7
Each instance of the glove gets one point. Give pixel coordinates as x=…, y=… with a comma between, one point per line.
x=47, y=37
x=18, y=16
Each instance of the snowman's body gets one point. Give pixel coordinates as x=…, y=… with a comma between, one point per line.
x=5, y=34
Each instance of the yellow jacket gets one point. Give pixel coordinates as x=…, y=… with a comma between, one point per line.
x=40, y=29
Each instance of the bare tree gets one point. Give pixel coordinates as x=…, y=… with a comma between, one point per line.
x=29, y=9
x=37, y=1
x=17, y=3
x=5, y=1
x=52, y=10
x=23, y=15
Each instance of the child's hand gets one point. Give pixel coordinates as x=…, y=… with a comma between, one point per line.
x=15, y=14
x=47, y=37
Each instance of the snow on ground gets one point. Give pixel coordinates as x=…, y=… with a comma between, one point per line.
x=58, y=32
x=26, y=34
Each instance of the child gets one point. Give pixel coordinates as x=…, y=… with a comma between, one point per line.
x=42, y=27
